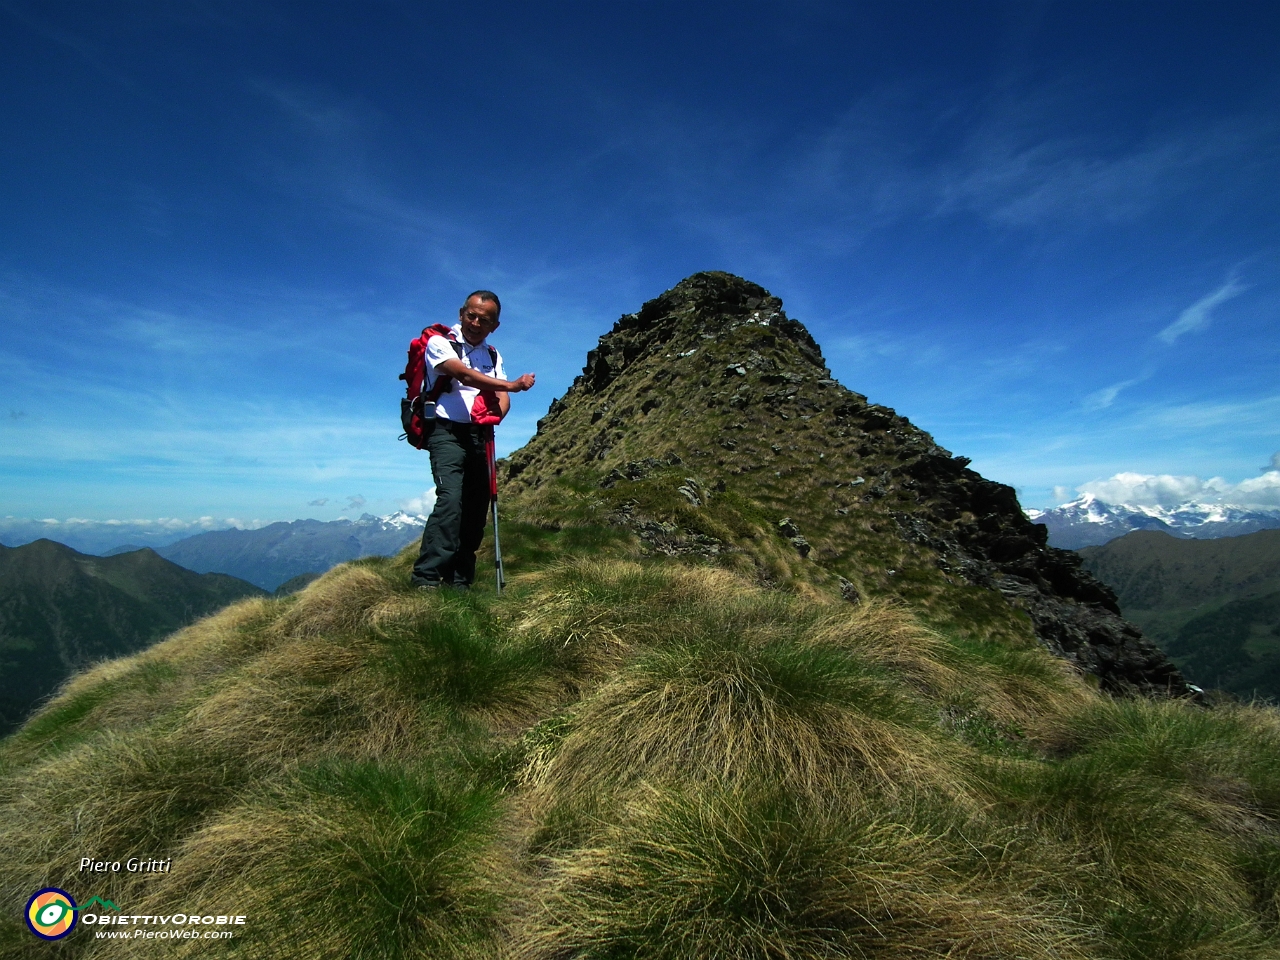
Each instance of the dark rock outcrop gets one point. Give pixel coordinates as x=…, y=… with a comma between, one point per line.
x=1075, y=615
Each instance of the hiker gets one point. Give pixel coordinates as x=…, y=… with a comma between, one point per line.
x=457, y=444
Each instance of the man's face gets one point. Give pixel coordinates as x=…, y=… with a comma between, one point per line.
x=479, y=319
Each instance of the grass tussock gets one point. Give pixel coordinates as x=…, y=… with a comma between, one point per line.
x=809, y=716
x=729, y=874
x=453, y=652
x=123, y=796
x=341, y=602
x=625, y=758
x=394, y=861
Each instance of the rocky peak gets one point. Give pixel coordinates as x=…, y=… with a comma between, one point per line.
x=714, y=385
x=704, y=307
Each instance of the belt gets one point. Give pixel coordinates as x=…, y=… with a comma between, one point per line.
x=466, y=428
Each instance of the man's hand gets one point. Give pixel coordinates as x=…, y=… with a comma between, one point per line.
x=522, y=383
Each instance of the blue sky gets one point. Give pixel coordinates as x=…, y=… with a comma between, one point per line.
x=1045, y=232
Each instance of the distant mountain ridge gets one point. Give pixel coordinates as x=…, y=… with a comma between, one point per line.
x=1212, y=605
x=281, y=551
x=102, y=538
x=1088, y=521
x=61, y=611
x=1150, y=570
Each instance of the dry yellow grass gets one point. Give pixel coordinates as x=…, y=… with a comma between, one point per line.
x=341, y=602
x=130, y=691
x=887, y=635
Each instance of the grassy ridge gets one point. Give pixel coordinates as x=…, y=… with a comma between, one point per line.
x=628, y=758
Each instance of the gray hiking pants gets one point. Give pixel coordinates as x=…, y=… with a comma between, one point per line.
x=455, y=528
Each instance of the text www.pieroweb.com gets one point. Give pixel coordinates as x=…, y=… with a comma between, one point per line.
x=178, y=926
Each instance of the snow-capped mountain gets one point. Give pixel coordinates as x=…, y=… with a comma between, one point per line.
x=1088, y=521
x=397, y=521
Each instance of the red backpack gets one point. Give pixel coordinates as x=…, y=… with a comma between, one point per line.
x=417, y=409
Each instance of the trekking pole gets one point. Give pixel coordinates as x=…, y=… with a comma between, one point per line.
x=493, y=498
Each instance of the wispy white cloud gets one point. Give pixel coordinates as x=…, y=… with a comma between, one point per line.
x=914, y=351
x=176, y=408
x=1199, y=314
x=332, y=139
x=90, y=52
x=264, y=465
x=324, y=117
x=1016, y=180
x=1031, y=358
x=1014, y=163
x=1101, y=399
x=1257, y=416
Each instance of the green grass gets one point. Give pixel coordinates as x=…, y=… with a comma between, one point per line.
x=61, y=725
x=1156, y=805
x=643, y=757
x=723, y=873
x=453, y=651
x=354, y=859
x=800, y=715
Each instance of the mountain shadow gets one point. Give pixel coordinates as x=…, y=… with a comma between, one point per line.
x=1210, y=604
x=61, y=611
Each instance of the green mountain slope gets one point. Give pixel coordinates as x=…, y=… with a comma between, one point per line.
x=1154, y=571
x=1235, y=647
x=674, y=735
x=61, y=611
x=1210, y=604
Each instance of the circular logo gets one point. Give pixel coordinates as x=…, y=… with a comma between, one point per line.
x=51, y=913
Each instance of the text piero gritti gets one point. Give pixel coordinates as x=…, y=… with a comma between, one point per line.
x=132, y=865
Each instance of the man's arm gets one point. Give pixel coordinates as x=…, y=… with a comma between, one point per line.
x=455, y=368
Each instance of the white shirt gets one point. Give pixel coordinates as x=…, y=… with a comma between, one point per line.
x=456, y=402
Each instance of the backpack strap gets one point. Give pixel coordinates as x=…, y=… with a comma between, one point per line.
x=443, y=383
